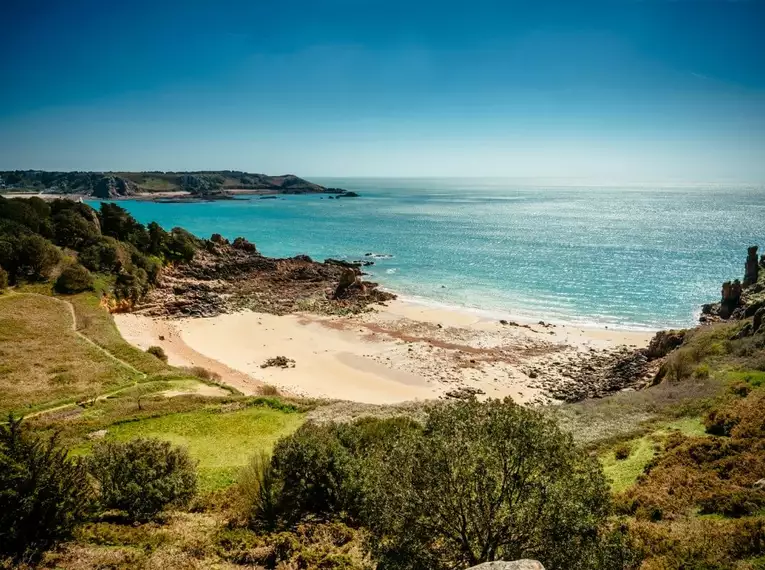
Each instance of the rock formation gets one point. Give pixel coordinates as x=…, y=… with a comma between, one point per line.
x=751, y=268
x=517, y=565
x=348, y=279
x=663, y=343
x=114, y=187
x=225, y=277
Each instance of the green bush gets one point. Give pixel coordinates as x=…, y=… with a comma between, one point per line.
x=479, y=482
x=36, y=257
x=73, y=230
x=43, y=493
x=105, y=255
x=142, y=477
x=485, y=481
x=157, y=351
x=74, y=279
x=622, y=451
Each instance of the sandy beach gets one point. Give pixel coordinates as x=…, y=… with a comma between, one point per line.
x=400, y=352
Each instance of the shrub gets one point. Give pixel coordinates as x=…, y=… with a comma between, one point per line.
x=142, y=477
x=485, y=481
x=157, y=351
x=36, y=257
x=202, y=372
x=74, y=279
x=105, y=255
x=3, y=279
x=43, y=493
x=479, y=482
x=622, y=451
x=268, y=390
x=259, y=488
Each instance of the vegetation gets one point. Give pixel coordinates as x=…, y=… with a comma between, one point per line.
x=74, y=279
x=45, y=362
x=43, y=493
x=3, y=280
x=221, y=440
x=142, y=477
x=35, y=236
x=477, y=482
x=157, y=351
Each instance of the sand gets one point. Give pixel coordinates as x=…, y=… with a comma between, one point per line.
x=401, y=352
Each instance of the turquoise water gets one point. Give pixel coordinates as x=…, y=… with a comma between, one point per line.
x=637, y=257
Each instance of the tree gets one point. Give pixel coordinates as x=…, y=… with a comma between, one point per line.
x=72, y=230
x=485, y=481
x=3, y=279
x=119, y=224
x=478, y=482
x=74, y=279
x=142, y=477
x=43, y=493
x=106, y=255
x=36, y=257
x=157, y=239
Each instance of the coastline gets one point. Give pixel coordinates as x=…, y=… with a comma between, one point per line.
x=401, y=351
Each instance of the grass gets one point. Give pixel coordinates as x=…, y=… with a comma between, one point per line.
x=44, y=362
x=98, y=325
x=623, y=473
x=222, y=442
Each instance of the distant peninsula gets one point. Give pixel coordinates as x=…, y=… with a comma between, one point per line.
x=157, y=185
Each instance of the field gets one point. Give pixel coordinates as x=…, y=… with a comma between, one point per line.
x=222, y=442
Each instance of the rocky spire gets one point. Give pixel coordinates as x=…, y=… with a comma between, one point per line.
x=752, y=267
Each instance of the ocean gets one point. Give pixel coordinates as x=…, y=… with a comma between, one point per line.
x=637, y=257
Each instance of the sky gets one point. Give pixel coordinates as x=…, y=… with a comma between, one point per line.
x=614, y=90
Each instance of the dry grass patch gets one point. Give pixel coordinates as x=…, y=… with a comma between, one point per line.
x=44, y=361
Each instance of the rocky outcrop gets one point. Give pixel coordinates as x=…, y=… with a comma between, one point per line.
x=663, y=343
x=751, y=268
x=114, y=187
x=599, y=374
x=225, y=277
x=740, y=300
x=517, y=565
x=349, y=279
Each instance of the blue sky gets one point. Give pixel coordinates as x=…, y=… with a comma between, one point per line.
x=618, y=90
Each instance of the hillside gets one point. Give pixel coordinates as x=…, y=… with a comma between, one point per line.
x=125, y=184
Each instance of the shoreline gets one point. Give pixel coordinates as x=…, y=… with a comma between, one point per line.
x=401, y=351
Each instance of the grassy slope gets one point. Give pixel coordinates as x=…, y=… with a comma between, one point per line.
x=44, y=361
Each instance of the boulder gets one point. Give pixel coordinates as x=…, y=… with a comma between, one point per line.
x=242, y=244
x=517, y=565
x=751, y=268
x=348, y=279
